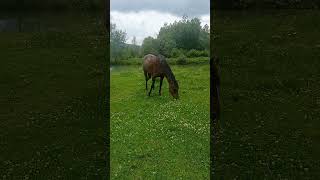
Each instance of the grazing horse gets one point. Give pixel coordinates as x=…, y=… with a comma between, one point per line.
x=157, y=66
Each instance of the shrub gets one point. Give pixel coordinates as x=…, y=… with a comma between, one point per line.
x=182, y=60
x=176, y=53
x=197, y=53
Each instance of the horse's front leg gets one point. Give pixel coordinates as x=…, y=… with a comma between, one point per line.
x=152, y=86
x=147, y=84
x=161, y=79
x=146, y=78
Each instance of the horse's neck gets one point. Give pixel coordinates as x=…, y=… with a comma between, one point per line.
x=168, y=74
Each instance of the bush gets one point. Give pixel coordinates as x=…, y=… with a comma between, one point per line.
x=176, y=53
x=182, y=60
x=197, y=53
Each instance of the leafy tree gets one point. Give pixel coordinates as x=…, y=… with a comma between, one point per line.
x=166, y=46
x=135, y=49
x=184, y=35
x=117, y=42
x=205, y=38
x=173, y=40
x=150, y=45
x=176, y=53
x=134, y=40
x=131, y=51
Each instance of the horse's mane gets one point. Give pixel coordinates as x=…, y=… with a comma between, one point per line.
x=167, y=68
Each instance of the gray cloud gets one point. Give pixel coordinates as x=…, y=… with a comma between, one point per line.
x=177, y=7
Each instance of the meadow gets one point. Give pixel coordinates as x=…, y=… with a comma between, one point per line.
x=158, y=137
x=269, y=126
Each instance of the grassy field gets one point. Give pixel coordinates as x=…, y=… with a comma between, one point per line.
x=158, y=137
x=52, y=91
x=270, y=90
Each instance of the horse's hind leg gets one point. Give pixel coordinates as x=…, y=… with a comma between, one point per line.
x=146, y=78
x=152, y=86
x=161, y=79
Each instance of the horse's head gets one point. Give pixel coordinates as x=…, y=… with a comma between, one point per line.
x=174, y=89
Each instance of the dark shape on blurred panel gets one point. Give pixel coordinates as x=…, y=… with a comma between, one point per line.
x=215, y=88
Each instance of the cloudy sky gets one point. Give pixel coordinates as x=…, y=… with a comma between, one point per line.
x=142, y=18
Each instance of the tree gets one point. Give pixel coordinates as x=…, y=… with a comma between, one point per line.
x=184, y=34
x=134, y=41
x=166, y=46
x=150, y=45
x=205, y=38
x=134, y=48
x=117, y=42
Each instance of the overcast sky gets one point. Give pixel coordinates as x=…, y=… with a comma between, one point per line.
x=142, y=18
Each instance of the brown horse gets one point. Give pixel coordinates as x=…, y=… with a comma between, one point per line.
x=157, y=66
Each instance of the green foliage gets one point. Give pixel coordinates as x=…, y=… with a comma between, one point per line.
x=173, y=40
x=130, y=51
x=176, y=52
x=184, y=35
x=165, y=46
x=197, y=53
x=182, y=60
x=204, y=38
x=150, y=45
x=117, y=43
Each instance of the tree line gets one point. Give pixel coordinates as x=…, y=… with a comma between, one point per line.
x=185, y=37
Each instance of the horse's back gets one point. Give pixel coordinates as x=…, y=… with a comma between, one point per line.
x=149, y=58
x=150, y=62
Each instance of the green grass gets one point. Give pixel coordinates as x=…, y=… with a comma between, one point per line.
x=270, y=89
x=158, y=137
x=52, y=87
